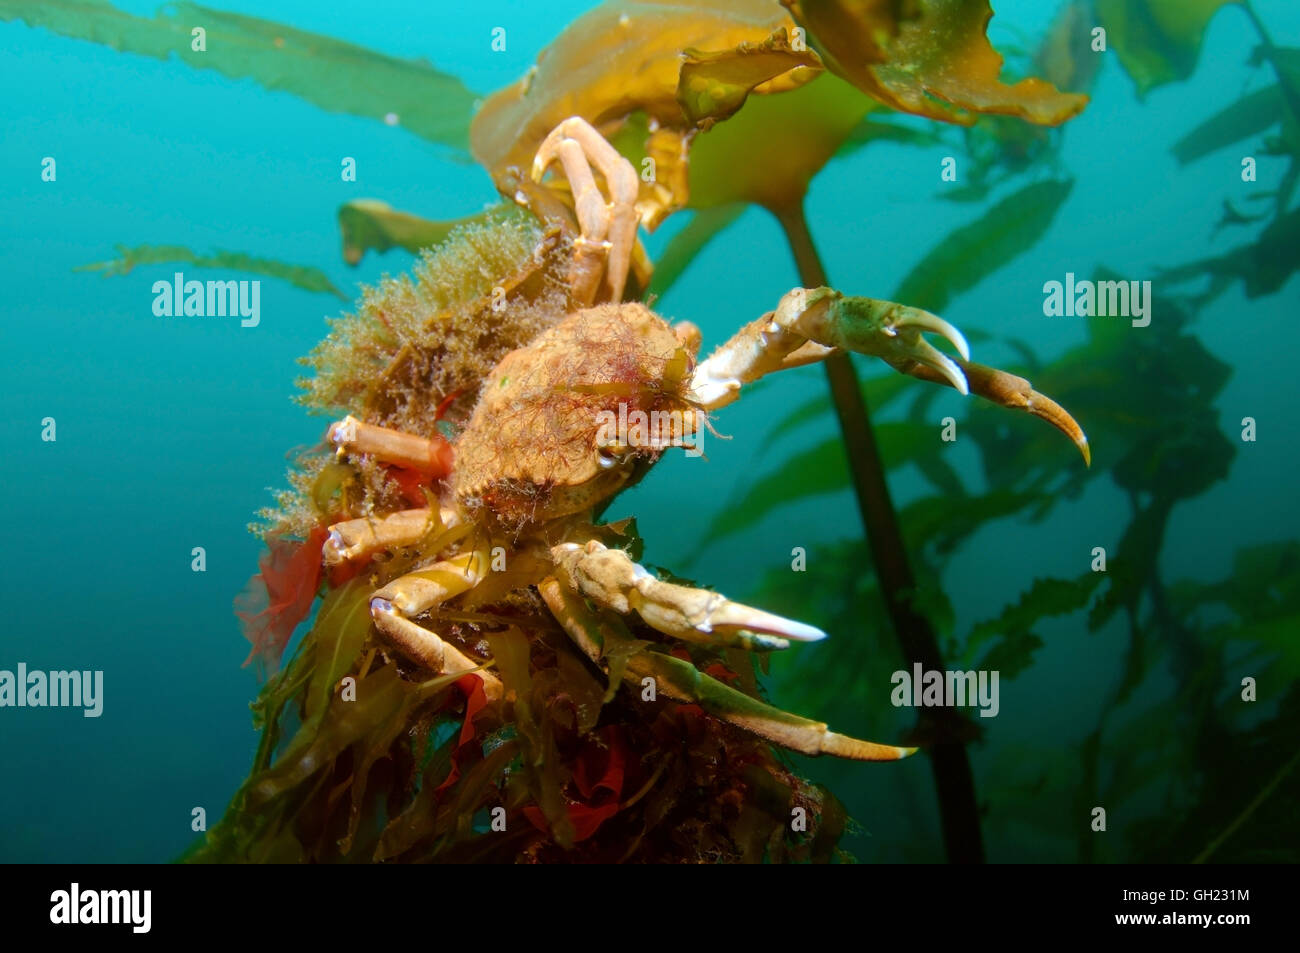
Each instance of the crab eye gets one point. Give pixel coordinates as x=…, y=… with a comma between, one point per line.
x=608, y=457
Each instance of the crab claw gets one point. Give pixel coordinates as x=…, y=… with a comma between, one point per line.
x=1016, y=393
x=918, y=349
x=734, y=617
x=812, y=323
x=610, y=578
x=893, y=332
x=600, y=632
x=883, y=329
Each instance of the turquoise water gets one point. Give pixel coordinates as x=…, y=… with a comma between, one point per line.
x=170, y=431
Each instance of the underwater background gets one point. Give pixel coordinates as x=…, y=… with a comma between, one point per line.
x=171, y=430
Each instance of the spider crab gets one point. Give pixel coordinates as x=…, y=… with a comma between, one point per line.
x=520, y=488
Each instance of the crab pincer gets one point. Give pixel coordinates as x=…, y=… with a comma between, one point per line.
x=810, y=324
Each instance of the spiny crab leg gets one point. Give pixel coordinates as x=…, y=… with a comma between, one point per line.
x=608, y=229
x=602, y=635
x=394, y=607
x=609, y=578
x=811, y=323
x=431, y=456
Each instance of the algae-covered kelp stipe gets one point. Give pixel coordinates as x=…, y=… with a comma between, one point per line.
x=697, y=431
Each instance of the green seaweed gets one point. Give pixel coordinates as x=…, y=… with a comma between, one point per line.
x=975, y=251
x=300, y=276
x=1157, y=41
x=368, y=224
x=330, y=74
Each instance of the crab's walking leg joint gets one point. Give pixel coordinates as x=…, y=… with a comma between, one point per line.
x=609, y=578
x=395, y=606
x=608, y=229
x=597, y=634
x=358, y=538
x=811, y=323
x=431, y=456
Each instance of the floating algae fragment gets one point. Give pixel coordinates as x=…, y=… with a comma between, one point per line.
x=300, y=276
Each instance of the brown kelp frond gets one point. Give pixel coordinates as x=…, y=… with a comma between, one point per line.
x=417, y=340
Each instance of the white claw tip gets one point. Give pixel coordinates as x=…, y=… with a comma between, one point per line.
x=925, y=321
x=802, y=633
x=959, y=342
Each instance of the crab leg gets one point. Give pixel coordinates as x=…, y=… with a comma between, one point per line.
x=395, y=606
x=810, y=324
x=599, y=635
x=609, y=578
x=608, y=229
x=354, y=539
x=352, y=436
